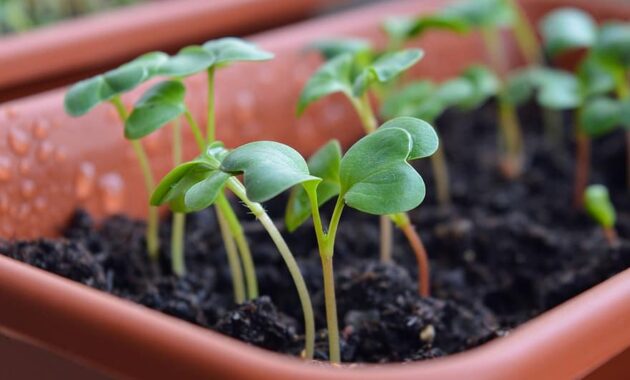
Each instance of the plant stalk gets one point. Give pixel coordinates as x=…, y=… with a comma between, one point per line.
x=611, y=236
x=294, y=270
x=178, y=227
x=526, y=36
x=152, y=237
x=386, y=235
x=623, y=92
x=195, y=130
x=211, y=126
x=441, y=175
x=403, y=222
x=511, y=140
x=236, y=230
x=233, y=260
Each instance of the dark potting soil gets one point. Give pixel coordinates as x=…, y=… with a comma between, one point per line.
x=504, y=252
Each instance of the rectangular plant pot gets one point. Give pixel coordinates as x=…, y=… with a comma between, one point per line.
x=88, y=164
x=59, y=54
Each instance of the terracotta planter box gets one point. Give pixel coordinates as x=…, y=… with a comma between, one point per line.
x=60, y=54
x=50, y=164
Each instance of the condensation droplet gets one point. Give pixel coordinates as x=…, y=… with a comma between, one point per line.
x=25, y=167
x=84, y=182
x=60, y=154
x=27, y=188
x=112, y=190
x=40, y=129
x=40, y=203
x=19, y=141
x=5, y=169
x=44, y=151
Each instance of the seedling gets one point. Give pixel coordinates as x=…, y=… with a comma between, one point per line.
x=198, y=184
x=427, y=101
x=601, y=71
x=598, y=205
x=109, y=87
x=349, y=74
x=374, y=176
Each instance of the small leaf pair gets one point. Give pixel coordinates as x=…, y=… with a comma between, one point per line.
x=339, y=75
x=427, y=101
x=373, y=176
x=602, y=115
x=554, y=89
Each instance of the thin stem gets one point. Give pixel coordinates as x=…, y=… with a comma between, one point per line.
x=494, y=47
x=526, y=36
x=611, y=236
x=294, y=270
x=195, y=130
x=386, y=239
x=177, y=244
x=236, y=230
x=178, y=263
x=623, y=92
x=211, y=123
x=403, y=222
x=152, y=237
x=365, y=112
x=440, y=172
x=331, y=309
x=233, y=260
x=511, y=141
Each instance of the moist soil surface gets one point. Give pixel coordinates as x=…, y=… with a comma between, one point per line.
x=504, y=252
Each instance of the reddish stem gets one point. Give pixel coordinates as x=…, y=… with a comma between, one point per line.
x=421, y=257
x=611, y=236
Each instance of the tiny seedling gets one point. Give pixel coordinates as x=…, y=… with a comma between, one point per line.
x=109, y=87
x=348, y=74
x=427, y=101
x=200, y=183
x=374, y=176
x=598, y=205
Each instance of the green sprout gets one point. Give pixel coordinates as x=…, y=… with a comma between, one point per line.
x=352, y=76
x=374, y=176
x=598, y=205
x=603, y=70
x=426, y=100
x=200, y=183
x=109, y=87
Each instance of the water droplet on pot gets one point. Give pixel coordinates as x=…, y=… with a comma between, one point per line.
x=19, y=141
x=112, y=187
x=44, y=151
x=40, y=203
x=40, y=129
x=84, y=182
x=27, y=188
x=60, y=154
x=5, y=169
x=25, y=167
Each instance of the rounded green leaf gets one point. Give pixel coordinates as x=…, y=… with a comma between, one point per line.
x=386, y=68
x=405, y=28
x=480, y=13
x=485, y=84
x=333, y=76
x=204, y=193
x=268, y=168
x=424, y=139
x=566, y=29
x=334, y=47
x=595, y=76
x=600, y=116
x=190, y=60
x=375, y=177
x=325, y=165
x=613, y=42
x=167, y=189
x=122, y=79
x=599, y=207
x=417, y=99
x=159, y=105
x=231, y=49
x=151, y=61
x=559, y=90
x=454, y=92
x=83, y=96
